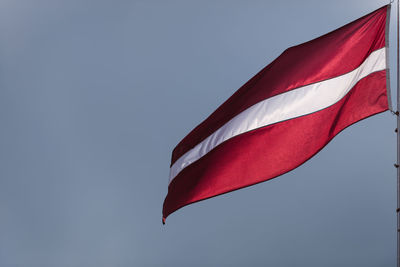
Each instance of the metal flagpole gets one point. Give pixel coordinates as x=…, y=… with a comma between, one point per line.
x=398, y=141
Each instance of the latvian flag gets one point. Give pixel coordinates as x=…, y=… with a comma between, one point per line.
x=286, y=113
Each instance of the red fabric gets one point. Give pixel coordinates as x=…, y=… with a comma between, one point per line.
x=328, y=56
x=270, y=151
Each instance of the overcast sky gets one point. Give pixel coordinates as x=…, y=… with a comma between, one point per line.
x=94, y=95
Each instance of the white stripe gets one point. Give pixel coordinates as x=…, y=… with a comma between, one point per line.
x=299, y=102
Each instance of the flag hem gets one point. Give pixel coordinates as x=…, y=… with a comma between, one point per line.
x=388, y=88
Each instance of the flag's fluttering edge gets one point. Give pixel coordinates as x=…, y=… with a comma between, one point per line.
x=286, y=113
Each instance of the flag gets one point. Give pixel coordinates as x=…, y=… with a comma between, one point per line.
x=286, y=113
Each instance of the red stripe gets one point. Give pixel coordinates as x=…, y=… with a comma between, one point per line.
x=271, y=151
x=328, y=56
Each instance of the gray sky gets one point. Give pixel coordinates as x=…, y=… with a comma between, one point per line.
x=94, y=95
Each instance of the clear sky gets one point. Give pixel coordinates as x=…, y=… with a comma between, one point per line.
x=94, y=95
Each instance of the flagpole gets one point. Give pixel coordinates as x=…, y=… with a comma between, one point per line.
x=398, y=141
